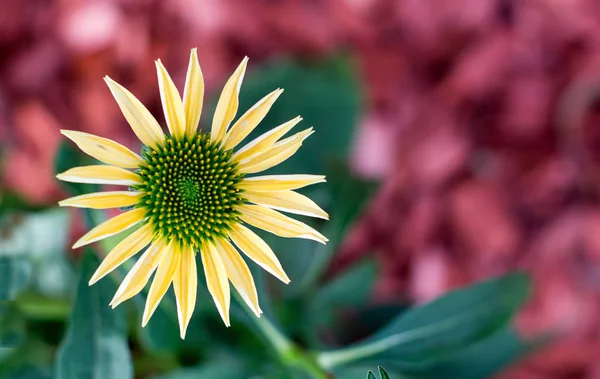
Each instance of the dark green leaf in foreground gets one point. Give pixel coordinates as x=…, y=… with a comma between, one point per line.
x=383, y=373
x=354, y=372
x=477, y=361
x=95, y=346
x=220, y=368
x=15, y=273
x=441, y=327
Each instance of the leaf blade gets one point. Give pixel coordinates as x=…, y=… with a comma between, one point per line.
x=95, y=346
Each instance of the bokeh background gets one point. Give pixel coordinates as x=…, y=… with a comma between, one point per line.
x=479, y=119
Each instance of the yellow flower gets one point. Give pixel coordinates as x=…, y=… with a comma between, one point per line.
x=190, y=193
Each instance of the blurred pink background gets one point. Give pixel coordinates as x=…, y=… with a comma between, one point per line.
x=481, y=121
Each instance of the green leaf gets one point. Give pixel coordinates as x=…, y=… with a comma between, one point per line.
x=383, y=373
x=350, y=288
x=347, y=198
x=222, y=368
x=28, y=372
x=452, y=322
x=12, y=325
x=477, y=361
x=95, y=346
x=15, y=273
x=358, y=371
x=162, y=332
x=325, y=93
x=32, y=359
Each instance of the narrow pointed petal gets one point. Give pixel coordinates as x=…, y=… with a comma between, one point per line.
x=162, y=280
x=216, y=280
x=104, y=149
x=100, y=174
x=250, y=120
x=278, y=153
x=103, y=200
x=140, y=273
x=185, y=284
x=112, y=226
x=263, y=142
x=171, y=101
x=278, y=224
x=228, y=103
x=270, y=183
x=144, y=125
x=124, y=250
x=239, y=274
x=256, y=249
x=287, y=201
x=193, y=94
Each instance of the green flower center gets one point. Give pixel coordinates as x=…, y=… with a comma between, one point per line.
x=190, y=189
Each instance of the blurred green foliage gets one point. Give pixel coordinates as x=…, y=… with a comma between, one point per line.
x=53, y=325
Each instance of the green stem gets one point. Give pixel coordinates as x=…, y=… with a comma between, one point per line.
x=289, y=354
x=280, y=343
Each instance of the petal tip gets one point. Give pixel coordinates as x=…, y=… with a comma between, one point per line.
x=80, y=242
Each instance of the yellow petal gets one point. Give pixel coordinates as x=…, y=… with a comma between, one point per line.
x=216, y=280
x=103, y=200
x=185, y=284
x=140, y=273
x=257, y=250
x=124, y=250
x=287, y=201
x=270, y=183
x=100, y=175
x=278, y=224
x=228, y=103
x=144, y=125
x=278, y=153
x=104, y=149
x=239, y=274
x=193, y=94
x=171, y=101
x=112, y=226
x=250, y=120
x=263, y=142
x=162, y=280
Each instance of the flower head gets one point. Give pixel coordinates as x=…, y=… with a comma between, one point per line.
x=189, y=193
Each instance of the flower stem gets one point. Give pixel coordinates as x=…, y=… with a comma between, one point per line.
x=290, y=354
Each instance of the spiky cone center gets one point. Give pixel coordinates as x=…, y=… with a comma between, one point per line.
x=190, y=189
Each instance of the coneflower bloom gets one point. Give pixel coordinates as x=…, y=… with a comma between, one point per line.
x=189, y=192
